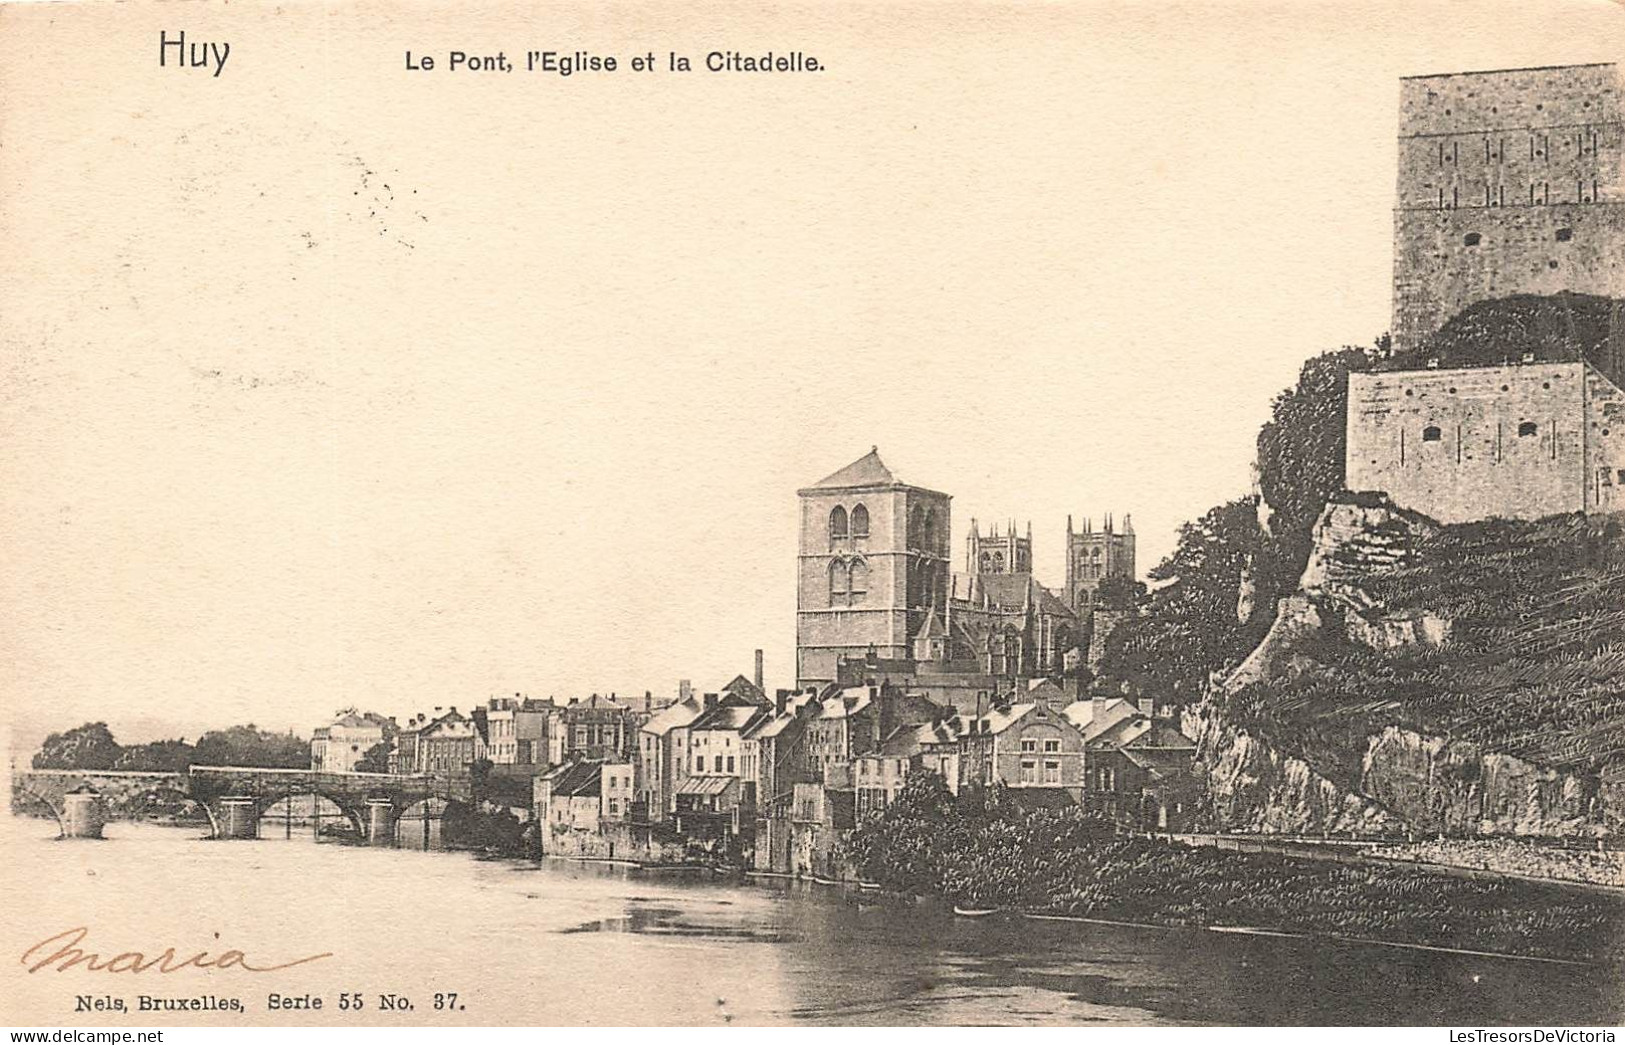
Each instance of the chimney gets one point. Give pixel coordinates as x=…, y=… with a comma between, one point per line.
x=759, y=670
x=1098, y=712
x=648, y=700
x=1148, y=706
x=780, y=699
x=685, y=690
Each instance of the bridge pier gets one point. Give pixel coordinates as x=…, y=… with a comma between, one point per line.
x=380, y=822
x=239, y=817
x=83, y=813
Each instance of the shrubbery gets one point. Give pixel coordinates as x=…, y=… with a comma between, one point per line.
x=982, y=849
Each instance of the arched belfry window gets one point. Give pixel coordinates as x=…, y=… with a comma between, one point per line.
x=837, y=522
x=1431, y=434
x=859, y=584
x=1528, y=428
x=860, y=521
x=916, y=522
x=928, y=532
x=838, y=583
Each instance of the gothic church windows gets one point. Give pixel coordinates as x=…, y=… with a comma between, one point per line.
x=848, y=582
x=858, y=585
x=837, y=522
x=860, y=521
x=840, y=592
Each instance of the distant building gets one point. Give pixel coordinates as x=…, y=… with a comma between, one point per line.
x=1029, y=744
x=600, y=728
x=1517, y=441
x=1094, y=556
x=877, y=601
x=340, y=745
x=445, y=746
x=663, y=755
x=1140, y=773
x=520, y=731
x=1510, y=181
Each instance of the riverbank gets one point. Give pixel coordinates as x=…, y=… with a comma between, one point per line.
x=979, y=851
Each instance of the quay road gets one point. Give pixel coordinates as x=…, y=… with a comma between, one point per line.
x=1354, y=851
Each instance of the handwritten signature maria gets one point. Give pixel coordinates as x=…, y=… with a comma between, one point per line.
x=68, y=954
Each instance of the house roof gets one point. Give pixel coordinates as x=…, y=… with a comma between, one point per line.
x=868, y=470
x=932, y=628
x=728, y=716
x=672, y=716
x=1081, y=713
x=848, y=701
x=1161, y=761
x=1121, y=732
x=742, y=688
x=578, y=780
x=705, y=785
x=1162, y=736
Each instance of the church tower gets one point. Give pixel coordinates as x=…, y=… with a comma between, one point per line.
x=873, y=561
x=1094, y=555
x=996, y=552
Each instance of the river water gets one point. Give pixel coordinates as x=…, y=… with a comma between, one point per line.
x=560, y=943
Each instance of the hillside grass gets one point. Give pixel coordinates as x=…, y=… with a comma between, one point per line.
x=1535, y=666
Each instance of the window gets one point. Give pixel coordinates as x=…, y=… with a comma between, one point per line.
x=838, y=583
x=859, y=581
x=1472, y=239
x=928, y=534
x=1528, y=428
x=699, y=763
x=614, y=807
x=1052, y=772
x=1431, y=434
x=1052, y=747
x=1029, y=772
x=860, y=521
x=1029, y=745
x=730, y=763
x=837, y=522
x=1564, y=235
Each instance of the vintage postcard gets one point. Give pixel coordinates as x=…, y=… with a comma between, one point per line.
x=838, y=514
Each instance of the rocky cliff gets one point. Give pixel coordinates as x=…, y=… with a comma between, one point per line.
x=1365, y=709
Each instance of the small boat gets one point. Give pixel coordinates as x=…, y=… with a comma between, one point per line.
x=869, y=887
x=974, y=912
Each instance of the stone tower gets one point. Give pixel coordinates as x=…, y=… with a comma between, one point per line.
x=873, y=560
x=1510, y=182
x=1092, y=556
x=996, y=552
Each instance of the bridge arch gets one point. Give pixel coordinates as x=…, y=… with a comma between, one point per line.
x=346, y=808
x=22, y=789
x=187, y=798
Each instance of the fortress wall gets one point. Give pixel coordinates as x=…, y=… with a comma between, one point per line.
x=1480, y=465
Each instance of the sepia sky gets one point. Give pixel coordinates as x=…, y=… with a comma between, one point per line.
x=324, y=382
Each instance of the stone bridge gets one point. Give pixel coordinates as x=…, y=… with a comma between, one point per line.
x=81, y=799
x=233, y=798
x=237, y=797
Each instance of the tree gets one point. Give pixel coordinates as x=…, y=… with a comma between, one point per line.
x=1190, y=626
x=250, y=746
x=375, y=759
x=1301, y=453
x=90, y=746
x=159, y=756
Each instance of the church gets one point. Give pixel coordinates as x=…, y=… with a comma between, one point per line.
x=878, y=600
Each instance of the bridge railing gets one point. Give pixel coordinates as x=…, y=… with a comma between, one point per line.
x=148, y=774
x=312, y=773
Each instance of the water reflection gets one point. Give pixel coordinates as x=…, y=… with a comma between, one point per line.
x=575, y=944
